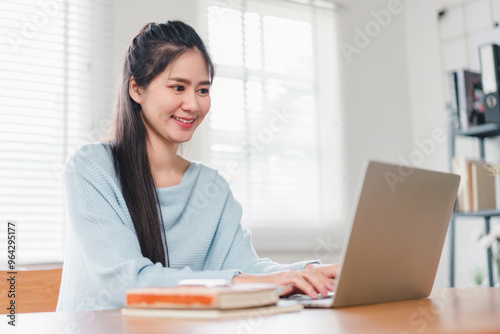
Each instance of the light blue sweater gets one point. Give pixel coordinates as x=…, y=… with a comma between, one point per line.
x=103, y=257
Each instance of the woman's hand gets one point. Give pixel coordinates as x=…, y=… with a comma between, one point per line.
x=328, y=270
x=313, y=280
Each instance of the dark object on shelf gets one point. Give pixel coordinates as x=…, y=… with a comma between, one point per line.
x=490, y=69
x=466, y=98
x=453, y=89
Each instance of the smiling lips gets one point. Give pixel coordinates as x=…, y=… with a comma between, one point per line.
x=185, y=123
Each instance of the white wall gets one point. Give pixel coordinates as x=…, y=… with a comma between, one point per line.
x=425, y=88
x=375, y=89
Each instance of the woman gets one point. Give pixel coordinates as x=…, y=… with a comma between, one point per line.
x=139, y=214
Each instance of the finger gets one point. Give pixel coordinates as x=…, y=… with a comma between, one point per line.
x=303, y=285
x=319, y=282
x=329, y=272
x=331, y=284
x=286, y=289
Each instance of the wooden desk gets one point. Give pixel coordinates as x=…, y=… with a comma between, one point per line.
x=454, y=310
x=36, y=288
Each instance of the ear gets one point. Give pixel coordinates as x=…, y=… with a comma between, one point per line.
x=134, y=90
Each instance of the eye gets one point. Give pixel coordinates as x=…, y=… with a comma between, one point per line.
x=177, y=88
x=204, y=91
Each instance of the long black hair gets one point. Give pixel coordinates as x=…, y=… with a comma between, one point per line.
x=155, y=47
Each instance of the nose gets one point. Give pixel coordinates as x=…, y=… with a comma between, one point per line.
x=190, y=102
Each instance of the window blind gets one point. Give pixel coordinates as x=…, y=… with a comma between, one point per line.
x=275, y=126
x=55, y=84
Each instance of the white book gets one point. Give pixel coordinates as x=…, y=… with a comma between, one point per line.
x=483, y=187
x=283, y=306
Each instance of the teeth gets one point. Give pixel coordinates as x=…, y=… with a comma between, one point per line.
x=183, y=120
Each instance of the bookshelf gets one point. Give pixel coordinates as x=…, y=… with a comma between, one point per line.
x=480, y=132
x=463, y=26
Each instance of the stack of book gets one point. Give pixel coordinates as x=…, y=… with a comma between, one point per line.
x=477, y=187
x=207, y=301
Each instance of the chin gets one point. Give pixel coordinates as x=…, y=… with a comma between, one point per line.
x=182, y=139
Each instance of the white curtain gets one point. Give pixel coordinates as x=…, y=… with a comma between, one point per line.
x=275, y=126
x=55, y=78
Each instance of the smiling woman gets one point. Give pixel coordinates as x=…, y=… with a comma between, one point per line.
x=128, y=196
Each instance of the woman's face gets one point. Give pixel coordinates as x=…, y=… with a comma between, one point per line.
x=177, y=100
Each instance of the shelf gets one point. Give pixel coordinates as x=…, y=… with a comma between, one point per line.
x=483, y=213
x=483, y=130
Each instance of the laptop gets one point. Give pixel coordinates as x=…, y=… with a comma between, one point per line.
x=396, y=237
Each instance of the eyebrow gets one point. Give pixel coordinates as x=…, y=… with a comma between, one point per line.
x=186, y=81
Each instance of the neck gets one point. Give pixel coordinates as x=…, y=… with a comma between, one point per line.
x=162, y=156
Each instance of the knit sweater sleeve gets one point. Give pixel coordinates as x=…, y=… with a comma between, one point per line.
x=105, y=246
x=241, y=254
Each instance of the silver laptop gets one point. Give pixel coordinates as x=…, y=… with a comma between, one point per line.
x=396, y=238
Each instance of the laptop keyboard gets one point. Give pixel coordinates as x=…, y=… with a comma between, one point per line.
x=313, y=303
x=299, y=296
